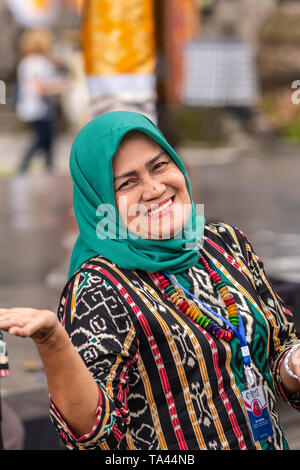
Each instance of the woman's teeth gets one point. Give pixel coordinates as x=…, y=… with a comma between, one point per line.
x=160, y=208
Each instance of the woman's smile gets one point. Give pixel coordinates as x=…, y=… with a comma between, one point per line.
x=164, y=208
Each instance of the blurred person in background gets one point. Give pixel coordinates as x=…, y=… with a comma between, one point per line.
x=39, y=85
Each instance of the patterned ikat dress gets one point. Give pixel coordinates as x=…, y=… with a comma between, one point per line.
x=164, y=382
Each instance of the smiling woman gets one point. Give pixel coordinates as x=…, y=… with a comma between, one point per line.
x=125, y=144
x=150, y=190
x=167, y=338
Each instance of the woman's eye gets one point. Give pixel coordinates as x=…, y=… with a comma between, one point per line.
x=125, y=184
x=160, y=166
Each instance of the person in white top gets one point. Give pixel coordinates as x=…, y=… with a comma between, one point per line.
x=39, y=83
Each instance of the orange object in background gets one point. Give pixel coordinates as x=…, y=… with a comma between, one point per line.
x=118, y=37
x=181, y=19
x=40, y=4
x=118, y=42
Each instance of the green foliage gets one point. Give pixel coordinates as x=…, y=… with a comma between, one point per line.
x=282, y=113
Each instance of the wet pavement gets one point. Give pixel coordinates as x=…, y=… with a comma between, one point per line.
x=252, y=184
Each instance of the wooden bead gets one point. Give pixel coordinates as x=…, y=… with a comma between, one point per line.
x=191, y=311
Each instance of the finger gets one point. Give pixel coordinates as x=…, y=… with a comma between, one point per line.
x=10, y=318
x=20, y=328
x=11, y=314
x=25, y=328
x=7, y=323
x=17, y=315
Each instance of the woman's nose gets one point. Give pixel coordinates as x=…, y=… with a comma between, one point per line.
x=152, y=189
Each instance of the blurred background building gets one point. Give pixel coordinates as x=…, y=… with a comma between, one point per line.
x=178, y=59
x=216, y=75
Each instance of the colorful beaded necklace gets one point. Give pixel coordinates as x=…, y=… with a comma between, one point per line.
x=193, y=312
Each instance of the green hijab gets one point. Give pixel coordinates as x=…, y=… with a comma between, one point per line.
x=102, y=232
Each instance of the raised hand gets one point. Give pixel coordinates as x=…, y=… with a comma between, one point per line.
x=39, y=325
x=71, y=385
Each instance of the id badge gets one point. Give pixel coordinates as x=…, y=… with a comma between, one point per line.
x=258, y=413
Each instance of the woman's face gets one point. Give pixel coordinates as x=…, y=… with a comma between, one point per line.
x=150, y=190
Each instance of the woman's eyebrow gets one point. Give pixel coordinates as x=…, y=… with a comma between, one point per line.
x=148, y=164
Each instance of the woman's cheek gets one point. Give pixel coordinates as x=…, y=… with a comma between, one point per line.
x=129, y=209
x=177, y=180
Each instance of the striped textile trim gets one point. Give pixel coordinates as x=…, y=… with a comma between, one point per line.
x=220, y=383
x=112, y=374
x=153, y=408
x=232, y=280
x=202, y=366
x=181, y=374
x=223, y=395
x=155, y=351
x=63, y=317
x=74, y=296
x=243, y=265
x=180, y=371
x=229, y=410
x=129, y=440
x=117, y=433
x=55, y=413
x=103, y=445
x=234, y=262
x=266, y=310
x=246, y=295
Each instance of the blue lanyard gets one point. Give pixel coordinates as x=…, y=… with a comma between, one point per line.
x=240, y=332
